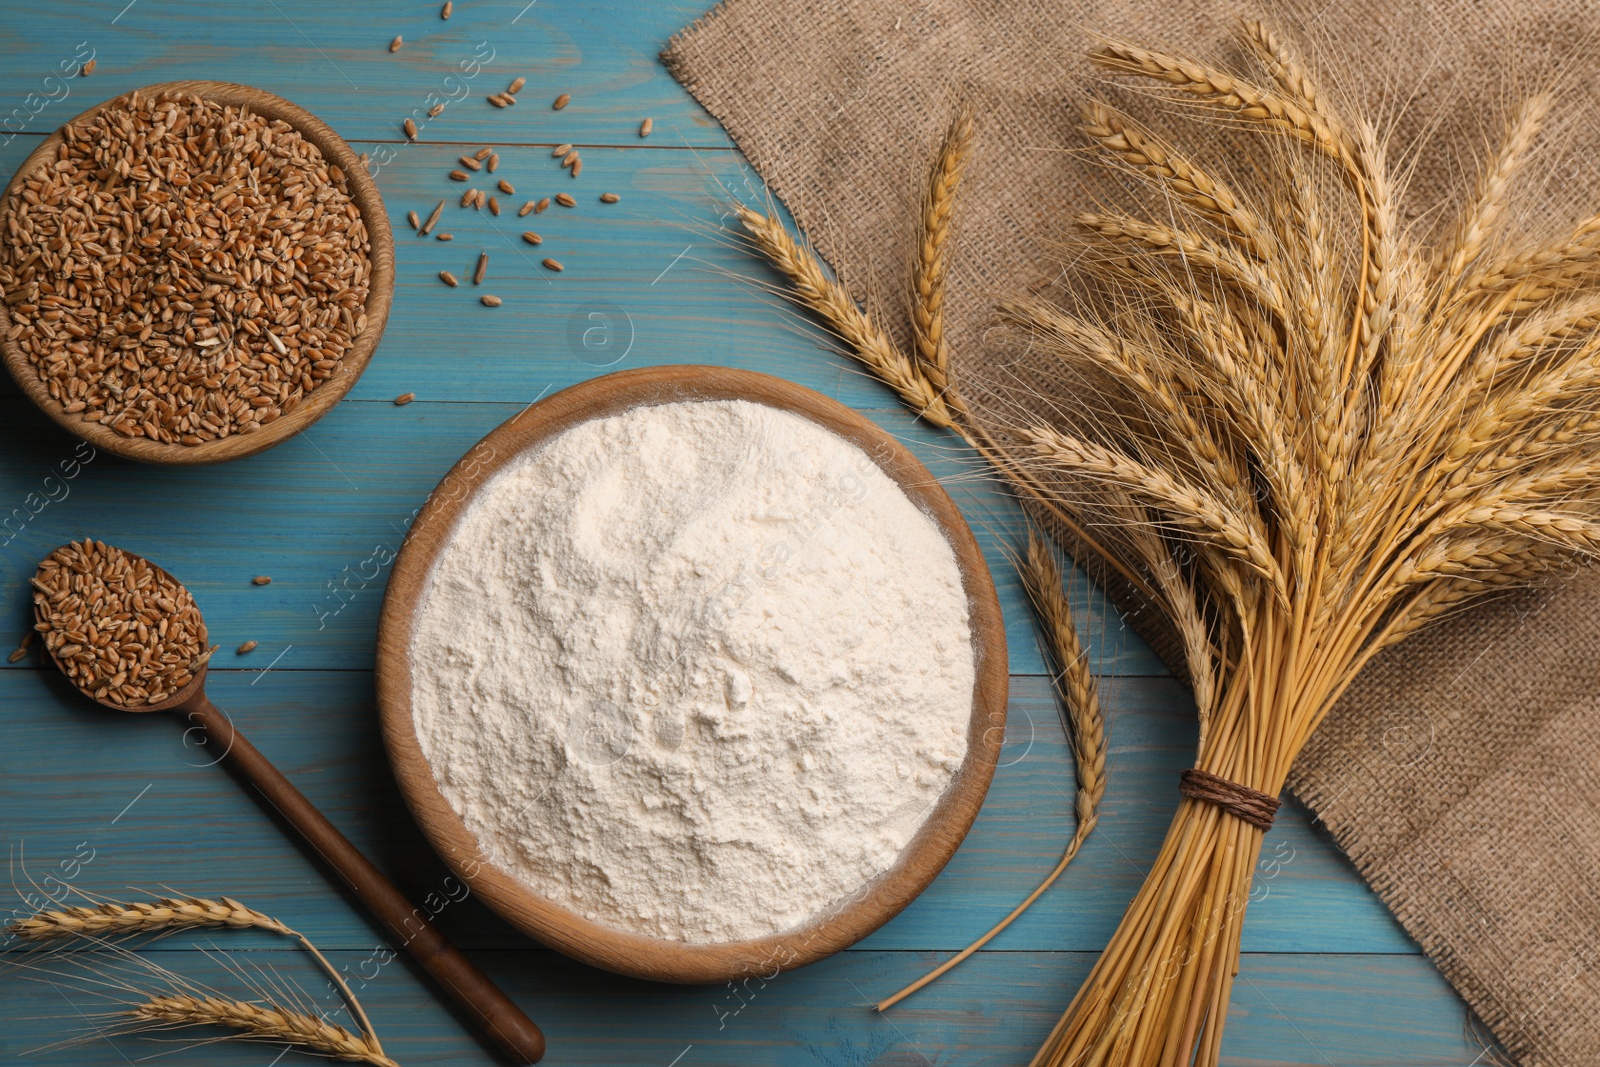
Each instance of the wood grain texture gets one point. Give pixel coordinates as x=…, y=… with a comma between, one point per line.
x=324, y=514
x=69, y=769
x=842, y=925
x=328, y=393
x=334, y=60
x=1294, y=1011
x=1328, y=978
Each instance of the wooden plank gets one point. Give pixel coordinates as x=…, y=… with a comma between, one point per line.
x=70, y=771
x=335, y=60
x=1287, y=1011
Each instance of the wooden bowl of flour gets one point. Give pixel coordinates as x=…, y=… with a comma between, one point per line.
x=564, y=928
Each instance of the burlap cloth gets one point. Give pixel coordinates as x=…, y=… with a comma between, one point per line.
x=1462, y=774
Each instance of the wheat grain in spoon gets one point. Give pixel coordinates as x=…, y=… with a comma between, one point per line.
x=129, y=636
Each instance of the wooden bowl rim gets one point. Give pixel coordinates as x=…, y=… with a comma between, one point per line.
x=380, y=297
x=558, y=926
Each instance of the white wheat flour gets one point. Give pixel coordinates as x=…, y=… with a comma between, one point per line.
x=696, y=671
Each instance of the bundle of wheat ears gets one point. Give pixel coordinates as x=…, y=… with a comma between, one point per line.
x=1300, y=426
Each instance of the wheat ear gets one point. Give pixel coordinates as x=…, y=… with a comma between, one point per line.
x=1080, y=696
x=1145, y=153
x=166, y=915
x=1196, y=251
x=1299, y=119
x=1293, y=79
x=930, y=267
x=821, y=294
x=109, y=919
x=1478, y=223
x=1186, y=507
x=257, y=1023
x=1536, y=274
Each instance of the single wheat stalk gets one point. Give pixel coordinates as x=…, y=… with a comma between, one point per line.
x=1080, y=698
x=257, y=1022
x=930, y=266
x=1479, y=223
x=166, y=915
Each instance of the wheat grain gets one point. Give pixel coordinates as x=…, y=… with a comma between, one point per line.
x=122, y=630
x=136, y=315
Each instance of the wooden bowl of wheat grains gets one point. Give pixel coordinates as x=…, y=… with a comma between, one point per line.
x=639, y=955
x=320, y=400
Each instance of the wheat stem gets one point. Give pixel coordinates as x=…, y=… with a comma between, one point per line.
x=1079, y=695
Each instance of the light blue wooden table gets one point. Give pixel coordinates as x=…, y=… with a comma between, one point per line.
x=104, y=802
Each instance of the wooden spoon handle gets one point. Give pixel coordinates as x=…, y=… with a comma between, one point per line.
x=500, y=1019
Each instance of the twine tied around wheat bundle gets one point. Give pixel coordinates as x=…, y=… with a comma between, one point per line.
x=1248, y=805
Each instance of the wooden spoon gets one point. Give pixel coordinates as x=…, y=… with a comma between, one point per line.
x=499, y=1018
